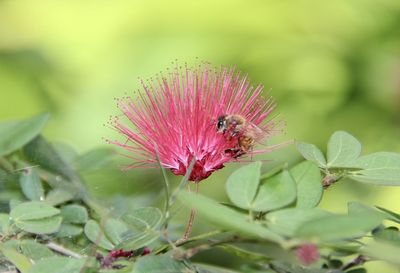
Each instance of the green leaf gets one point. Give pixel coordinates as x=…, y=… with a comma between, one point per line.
x=4, y=223
x=143, y=219
x=311, y=153
x=61, y=264
x=126, y=267
x=242, y=185
x=355, y=208
x=59, y=196
x=41, y=226
x=277, y=192
x=344, y=248
x=259, y=251
x=245, y=254
x=134, y=240
x=335, y=227
x=42, y=153
x=224, y=217
x=67, y=152
x=33, y=210
x=158, y=264
x=115, y=229
x=207, y=268
x=287, y=221
x=14, y=203
x=358, y=270
x=34, y=250
x=382, y=169
x=343, y=150
x=252, y=252
x=69, y=230
x=75, y=214
x=96, y=235
x=388, y=235
x=142, y=224
x=94, y=159
x=15, y=134
x=395, y=217
x=295, y=268
x=309, y=188
x=383, y=251
x=20, y=261
x=31, y=185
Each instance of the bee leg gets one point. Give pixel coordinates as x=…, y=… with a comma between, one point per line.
x=239, y=153
x=235, y=153
x=251, y=153
x=232, y=152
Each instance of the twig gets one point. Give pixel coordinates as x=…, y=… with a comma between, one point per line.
x=359, y=260
x=187, y=254
x=27, y=168
x=172, y=245
x=62, y=250
x=330, y=179
x=199, y=237
x=190, y=223
x=167, y=193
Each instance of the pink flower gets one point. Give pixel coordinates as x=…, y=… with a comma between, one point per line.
x=174, y=119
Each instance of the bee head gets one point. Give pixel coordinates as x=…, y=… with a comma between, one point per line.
x=221, y=123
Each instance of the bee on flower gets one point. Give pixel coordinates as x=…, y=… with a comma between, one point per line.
x=211, y=115
x=247, y=133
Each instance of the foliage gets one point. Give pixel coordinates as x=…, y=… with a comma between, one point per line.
x=51, y=221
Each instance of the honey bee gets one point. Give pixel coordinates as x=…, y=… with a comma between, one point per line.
x=245, y=131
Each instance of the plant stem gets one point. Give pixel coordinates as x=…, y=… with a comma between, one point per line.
x=167, y=196
x=359, y=260
x=183, y=183
x=189, y=225
x=330, y=179
x=200, y=237
x=62, y=250
x=191, y=220
x=180, y=242
x=251, y=215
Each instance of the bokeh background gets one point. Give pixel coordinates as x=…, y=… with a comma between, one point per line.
x=330, y=64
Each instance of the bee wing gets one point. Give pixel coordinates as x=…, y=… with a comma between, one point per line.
x=253, y=131
x=256, y=132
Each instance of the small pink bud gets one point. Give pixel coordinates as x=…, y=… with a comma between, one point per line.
x=146, y=251
x=307, y=254
x=120, y=253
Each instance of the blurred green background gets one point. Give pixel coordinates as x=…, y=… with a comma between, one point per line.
x=330, y=64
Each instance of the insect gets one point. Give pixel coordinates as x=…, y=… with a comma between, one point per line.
x=245, y=131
